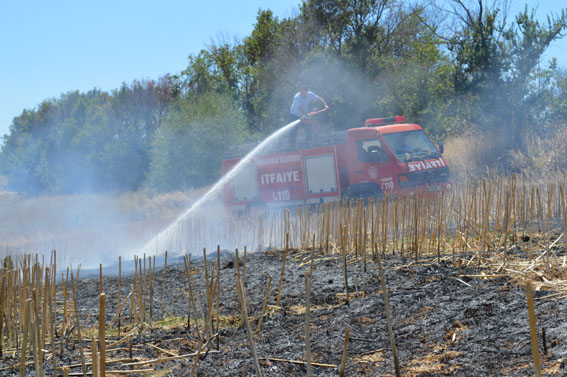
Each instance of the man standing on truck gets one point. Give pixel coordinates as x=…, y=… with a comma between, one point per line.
x=300, y=110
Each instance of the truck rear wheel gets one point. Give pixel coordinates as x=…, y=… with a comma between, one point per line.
x=364, y=191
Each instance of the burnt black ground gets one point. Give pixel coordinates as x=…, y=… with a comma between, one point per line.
x=444, y=325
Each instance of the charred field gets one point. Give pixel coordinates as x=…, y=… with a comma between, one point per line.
x=447, y=321
x=475, y=283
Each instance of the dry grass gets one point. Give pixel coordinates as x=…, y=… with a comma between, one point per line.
x=544, y=154
x=475, y=153
x=470, y=155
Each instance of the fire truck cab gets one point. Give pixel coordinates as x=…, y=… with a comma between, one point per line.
x=385, y=156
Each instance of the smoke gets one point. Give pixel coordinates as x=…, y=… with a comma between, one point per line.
x=92, y=229
x=85, y=229
x=204, y=215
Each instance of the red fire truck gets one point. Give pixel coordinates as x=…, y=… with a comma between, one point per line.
x=385, y=156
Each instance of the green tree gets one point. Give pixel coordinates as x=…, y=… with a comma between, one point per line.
x=86, y=141
x=498, y=66
x=187, y=150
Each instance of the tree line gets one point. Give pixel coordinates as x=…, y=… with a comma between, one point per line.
x=451, y=66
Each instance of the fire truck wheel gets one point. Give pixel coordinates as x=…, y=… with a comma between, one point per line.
x=366, y=190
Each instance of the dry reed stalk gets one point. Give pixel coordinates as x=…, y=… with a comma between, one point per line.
x=539, y=210
x=309, y=222
x=52, y=321
x=345, y=348
x=389, y=319
x=169, y=353
x=94, y=357
x=119, y=294
x=208, y=293
x=283, y=269
x=5, y=303
x=191, y=295
x=365, y=238
x=164, y=295
x=206, y=271
x=321, y=222
x=328, y=229
x=424, y=216
x=102, y=333
x=218, y=296
x=343, y=254
x=263, y=307
x=162, y=359
x=210, y=306
x=65, y=316
x=133, y=315
x=360, y=231
x=563, y=207
x=441, y=215
x=384, y=224
x=244, y=314
x=77, y=323
x=546, y=230
x=197, y=303
x=188, y=273
x=121, y=306
x=139, y=298
x=299, y=362
x=144, y=289
x=2, y=304
x=485, y=215
x=26, y=330
x=357, y=232
x=307, y=322
x=515, y=214
x=152, y=274
x=238, y=276
x=531, y=219
x=506, y=226
x=134, y=287
x=372, y=221
x=13, y=288
x=403, y=222
x=415, y=236
x=210, y=303
x=244, y=266
x=36, y=344
x=100, y=279
x=533, y=328
x=89, y=318
x=44, y=314
x=65, y=372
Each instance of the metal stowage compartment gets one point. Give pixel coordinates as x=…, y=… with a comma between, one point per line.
x=245, y=184
x=320, y=174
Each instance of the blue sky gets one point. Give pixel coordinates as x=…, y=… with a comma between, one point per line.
x=52, y=47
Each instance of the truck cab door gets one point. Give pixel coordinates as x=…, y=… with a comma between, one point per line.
x=370, y=170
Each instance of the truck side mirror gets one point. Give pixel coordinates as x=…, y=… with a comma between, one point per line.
x=441, y=147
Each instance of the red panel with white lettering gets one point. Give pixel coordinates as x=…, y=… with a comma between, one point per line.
x=280, y=177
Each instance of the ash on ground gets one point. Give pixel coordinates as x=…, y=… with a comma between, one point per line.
x=447, y=320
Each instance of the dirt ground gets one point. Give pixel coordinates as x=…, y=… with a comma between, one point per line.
x=446, y=320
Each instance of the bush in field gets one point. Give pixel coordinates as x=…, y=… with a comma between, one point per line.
x=187, y=150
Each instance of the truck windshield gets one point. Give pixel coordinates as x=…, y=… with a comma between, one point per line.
x=411, y=145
